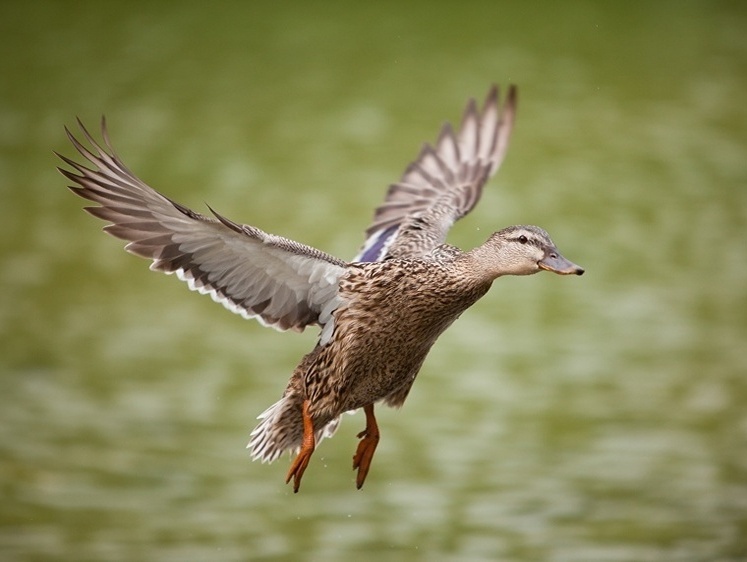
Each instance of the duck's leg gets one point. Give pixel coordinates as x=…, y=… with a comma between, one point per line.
x=369, y=440
x=307, y=448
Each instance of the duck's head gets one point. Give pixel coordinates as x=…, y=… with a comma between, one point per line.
x=524, y=250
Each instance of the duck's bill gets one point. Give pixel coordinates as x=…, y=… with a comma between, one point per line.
x=558, y=264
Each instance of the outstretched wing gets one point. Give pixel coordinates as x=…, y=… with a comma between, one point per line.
x=281, y=283
x=443, y=184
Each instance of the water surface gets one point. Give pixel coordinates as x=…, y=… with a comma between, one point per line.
x=585, y=419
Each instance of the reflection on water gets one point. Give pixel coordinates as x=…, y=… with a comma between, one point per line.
x=599, y=418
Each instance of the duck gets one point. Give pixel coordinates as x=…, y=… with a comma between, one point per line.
x=378, y=315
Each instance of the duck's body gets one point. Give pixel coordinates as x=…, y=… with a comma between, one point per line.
x=384, y=327
x=379, y=315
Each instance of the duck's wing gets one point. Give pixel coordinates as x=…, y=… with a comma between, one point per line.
x=281, y=283
x=443, y=184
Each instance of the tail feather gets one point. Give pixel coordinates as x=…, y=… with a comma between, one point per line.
x=281, y=429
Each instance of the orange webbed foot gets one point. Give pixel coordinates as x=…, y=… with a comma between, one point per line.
x=304, y=455
x=366, y=448
x=298, y=468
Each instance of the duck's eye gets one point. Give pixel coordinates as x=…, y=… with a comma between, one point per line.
x=523, y=239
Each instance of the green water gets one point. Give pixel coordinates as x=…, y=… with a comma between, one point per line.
x=601, y=418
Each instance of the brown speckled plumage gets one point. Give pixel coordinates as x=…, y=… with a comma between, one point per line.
x=379, y=315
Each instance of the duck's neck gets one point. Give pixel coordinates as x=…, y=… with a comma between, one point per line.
x=490, y=260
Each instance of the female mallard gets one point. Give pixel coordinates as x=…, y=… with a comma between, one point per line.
x=379, y=315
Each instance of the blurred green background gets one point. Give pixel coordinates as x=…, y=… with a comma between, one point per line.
x=585, y=419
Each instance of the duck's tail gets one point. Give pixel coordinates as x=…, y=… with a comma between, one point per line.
x=281, y=429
